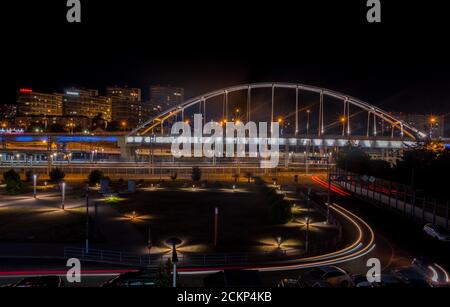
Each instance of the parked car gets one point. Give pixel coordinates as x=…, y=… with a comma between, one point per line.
x=437, y=232
x=412, y=277
x=139, y=279
x=288, y=283
x=332, y=275
x=360, y=281
x=233, y=278
x=385, y=281
x=434, y=273
x=39, y=282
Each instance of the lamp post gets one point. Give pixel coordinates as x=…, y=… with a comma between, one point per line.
x=63, y=194
x=87, y=218
x=307, y=122
x=174, y=242
x=307, y=235
x=149, y=244
x=328, y=192
x=34, y=185
x=432, y=122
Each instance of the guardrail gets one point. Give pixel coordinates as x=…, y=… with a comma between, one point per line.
x=194, y=260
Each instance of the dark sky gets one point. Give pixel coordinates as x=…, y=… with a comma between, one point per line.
x=401, y=64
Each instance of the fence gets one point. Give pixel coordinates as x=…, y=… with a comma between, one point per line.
x=395, y=196
x=196, y=260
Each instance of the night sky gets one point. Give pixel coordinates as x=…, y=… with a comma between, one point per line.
x=402, y=64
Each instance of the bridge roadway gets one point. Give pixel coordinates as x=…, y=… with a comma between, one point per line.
x=121, y=140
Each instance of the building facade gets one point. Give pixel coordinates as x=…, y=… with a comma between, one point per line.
x=127, y=108
x=34, y=103
x=87, y=103
x=163, y=98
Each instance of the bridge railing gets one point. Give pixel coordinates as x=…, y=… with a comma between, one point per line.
x=198, y=260
x=395, y=196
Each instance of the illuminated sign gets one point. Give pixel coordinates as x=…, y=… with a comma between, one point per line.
x=25, y=90
x=70, y=93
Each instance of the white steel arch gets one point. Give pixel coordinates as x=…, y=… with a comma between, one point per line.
x=372, y=110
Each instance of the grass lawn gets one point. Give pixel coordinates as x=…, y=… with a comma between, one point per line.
x=188, y=213
x=41, y=225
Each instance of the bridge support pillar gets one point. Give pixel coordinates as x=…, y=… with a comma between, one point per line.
x=127, y=153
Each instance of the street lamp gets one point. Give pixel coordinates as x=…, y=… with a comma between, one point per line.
x=174, y=242
x=343, y=125
x=307, y=121
x=432, y=122
x=307, y=235
x=63, y=194
x=34, y=185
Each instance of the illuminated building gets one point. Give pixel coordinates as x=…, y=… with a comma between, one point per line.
x=78, y=102
x=126, y=104
x=165, y=97
x=34, y=103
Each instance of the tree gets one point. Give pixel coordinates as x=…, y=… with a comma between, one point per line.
x=56, y=175
x=55, y=128
x=280, y=212
x=29, y=175
x=95, y=176
x=236, y=177
x=174, y=176
x=353, y=160
x=13, y=186
x=13, y=183
x=249, y=176
x=196, y=174
x=11, y=174
x=113, y=126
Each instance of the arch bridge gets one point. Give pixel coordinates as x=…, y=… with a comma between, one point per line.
x=399, y=135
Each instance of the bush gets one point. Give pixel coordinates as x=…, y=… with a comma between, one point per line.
x=13, y=186
x=279, y=209
x=196, y=174
x=11, y=174
x=56, y=175
x=95, y=176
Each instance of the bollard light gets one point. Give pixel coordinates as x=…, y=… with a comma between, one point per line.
x=63, y=194
x=34, y=185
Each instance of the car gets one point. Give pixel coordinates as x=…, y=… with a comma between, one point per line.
x=332, y=275
x=433, y=272
x=412, y=277
x=138, y=279
x=288, y=283
x=40, y=282
x=233, y=278
x=437, y=232
x=360, y=281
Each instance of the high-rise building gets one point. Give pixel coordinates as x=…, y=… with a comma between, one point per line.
x=163, y=98
x=126, y=106
x=34, y=103
x=431, y=125
x=81, y=102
